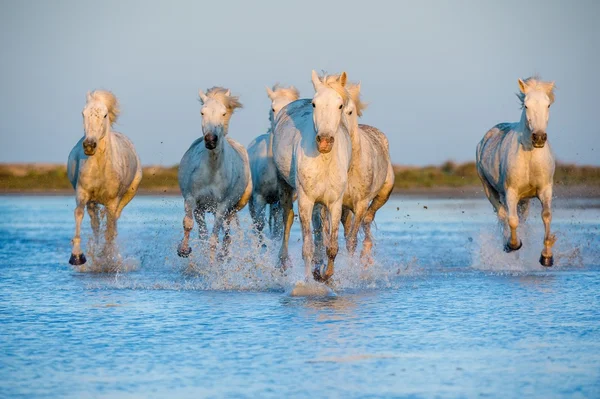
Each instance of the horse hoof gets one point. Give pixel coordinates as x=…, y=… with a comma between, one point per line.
x=547, y=261
x=320, y=273
x=184, y=253
x=77, y=260
x=508, y=248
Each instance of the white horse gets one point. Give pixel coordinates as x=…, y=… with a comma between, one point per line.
x=370, y=178
x=214, y=173
x=312, y=151
x=515, y=163
x=103, y=168
x=265, y=182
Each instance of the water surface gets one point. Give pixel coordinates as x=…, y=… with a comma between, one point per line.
x=443, y=312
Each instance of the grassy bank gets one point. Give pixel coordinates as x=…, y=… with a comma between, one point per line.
x=450, y=175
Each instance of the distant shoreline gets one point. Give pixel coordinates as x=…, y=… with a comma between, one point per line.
x=448, y=180
x=577, y=191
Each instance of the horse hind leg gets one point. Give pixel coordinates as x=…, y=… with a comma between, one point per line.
x=380, y=199
x=257, y=206
x=494, y=198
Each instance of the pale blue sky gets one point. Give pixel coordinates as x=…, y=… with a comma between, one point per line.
x=437, y=74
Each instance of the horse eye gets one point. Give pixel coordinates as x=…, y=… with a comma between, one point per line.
x=526, y=107
x=202, y=113
x=273, y=109
x=548, y=105
x=350, y=113
x=340, y=107
x=224, y=113
x=105, y=116
x=313, y=105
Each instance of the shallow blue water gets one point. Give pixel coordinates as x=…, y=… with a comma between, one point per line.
x=443, y=312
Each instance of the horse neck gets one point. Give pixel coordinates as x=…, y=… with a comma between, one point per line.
x=355, y=139
x=270, y=144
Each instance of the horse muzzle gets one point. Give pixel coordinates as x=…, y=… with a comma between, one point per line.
x=89, y=147
x=210, y=141
x=539, y=139
x=324, y=143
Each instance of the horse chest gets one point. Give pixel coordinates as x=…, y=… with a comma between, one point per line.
x=100, y=183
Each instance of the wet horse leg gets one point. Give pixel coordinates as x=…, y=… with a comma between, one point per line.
x=257, y=212
x=77, y=257
x=287, y=197
x=184, y=250
x=335, y=215
x=305, y=210
x=199, y=215
x=546, y=258
x=512, y=202
x=93, y=211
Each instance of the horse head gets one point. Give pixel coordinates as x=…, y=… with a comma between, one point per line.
x=217, y=107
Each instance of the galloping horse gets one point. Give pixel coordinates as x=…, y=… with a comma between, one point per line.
x=264, y=173
x=370, y=178
x=515, y=163
x=103, y=168
x=312, y=151
x=214, y=173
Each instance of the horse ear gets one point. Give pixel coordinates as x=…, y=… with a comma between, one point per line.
x=203, y=97
x=270, y=92
x=228, y=93
x=88, y=97
x=343, y=79
x=316, y=81
x=523, y=86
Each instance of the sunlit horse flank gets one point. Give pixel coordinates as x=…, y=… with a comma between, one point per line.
x=103, y=168
x=214, y=173
x=312, y=151
x=515, y=163
x=265, y=182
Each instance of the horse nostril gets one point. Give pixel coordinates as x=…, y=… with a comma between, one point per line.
x=331, y=140
x=544, y=136
x=318, y=139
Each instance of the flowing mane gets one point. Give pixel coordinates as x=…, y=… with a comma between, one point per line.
x=536, y=83
x=289, y=92
x=333, y=82
x=221, y=94
x=354, y=92
x=109, y=100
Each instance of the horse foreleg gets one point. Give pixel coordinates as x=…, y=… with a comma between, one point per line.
x=77, y=257
x=347, y=223
x=201, y=221
x=318, y=216
x=360, y=209
x=512, y=202
x=335, y=215
x=184, y=250
x=305, y=210
x=547, y=259
x=112, y=215
x=288, y=219
x=213, y=242
x=92, y=209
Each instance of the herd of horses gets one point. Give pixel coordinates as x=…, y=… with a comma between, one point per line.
x=315, y=153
